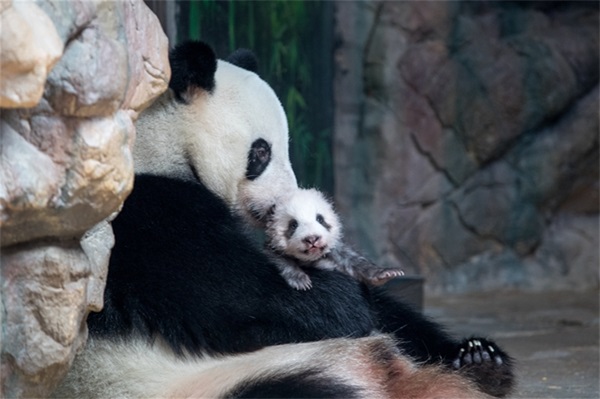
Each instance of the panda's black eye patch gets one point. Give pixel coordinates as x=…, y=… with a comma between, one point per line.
x=322, y=222
x=292, y=226
x=259, y=157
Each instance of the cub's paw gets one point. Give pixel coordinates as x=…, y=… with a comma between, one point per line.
x=486, y=364
x=370, y=273
x=299, y=281
x=382, y=276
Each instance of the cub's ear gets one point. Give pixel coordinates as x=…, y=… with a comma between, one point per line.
x=193, y=66
x=244, y=58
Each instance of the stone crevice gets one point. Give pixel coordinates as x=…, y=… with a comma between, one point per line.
x=431, y=160
x=472, y=229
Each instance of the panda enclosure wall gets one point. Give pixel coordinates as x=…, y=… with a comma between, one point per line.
x=459, y=139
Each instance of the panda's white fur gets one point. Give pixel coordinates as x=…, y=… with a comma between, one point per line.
x=371, y=365
x=203, y=134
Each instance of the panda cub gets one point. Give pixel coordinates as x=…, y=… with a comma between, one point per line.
x=303, y=230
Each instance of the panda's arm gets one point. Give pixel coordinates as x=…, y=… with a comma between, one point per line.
x=480, y=359
x=177, y=243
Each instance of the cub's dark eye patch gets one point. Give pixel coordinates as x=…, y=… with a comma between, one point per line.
x=322, y=222
x=259, y=157
x=292, y=226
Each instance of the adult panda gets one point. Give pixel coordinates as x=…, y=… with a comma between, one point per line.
x=193, y=308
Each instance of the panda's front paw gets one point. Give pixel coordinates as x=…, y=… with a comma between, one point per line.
x=477, y=350
x=486, y=364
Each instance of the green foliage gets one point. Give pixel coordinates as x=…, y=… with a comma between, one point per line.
x=283, y=36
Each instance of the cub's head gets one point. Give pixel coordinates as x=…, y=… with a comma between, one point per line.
x=219, y=123
x=303, y=225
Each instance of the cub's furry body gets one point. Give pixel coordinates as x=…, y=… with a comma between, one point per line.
x=303, y=230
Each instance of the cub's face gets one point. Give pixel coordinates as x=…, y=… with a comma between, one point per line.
x=303, y=225
x=220, y=124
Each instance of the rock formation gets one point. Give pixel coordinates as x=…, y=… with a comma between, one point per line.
x=466, y=140
x=74, y=76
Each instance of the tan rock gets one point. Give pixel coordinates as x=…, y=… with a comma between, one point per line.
x=87, y=177
x=91, y=77
x=65, y=169
x=45, y=295
x=29, y=48
x=150, y=61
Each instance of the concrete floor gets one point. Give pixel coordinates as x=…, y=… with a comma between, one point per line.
x=552, y=336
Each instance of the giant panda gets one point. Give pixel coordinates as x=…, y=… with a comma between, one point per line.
x=194, y=308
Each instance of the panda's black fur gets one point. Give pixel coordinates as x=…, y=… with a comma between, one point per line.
x=304, y=385
x=244, y=58
x=193, y=65
x=182, y=267
x=175, y=273
x=183, y=270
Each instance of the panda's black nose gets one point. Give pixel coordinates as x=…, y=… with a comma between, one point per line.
x=311, y=240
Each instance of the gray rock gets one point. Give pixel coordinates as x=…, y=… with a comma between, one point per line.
x=465, y=132
x=66, y=166
x=80, y=85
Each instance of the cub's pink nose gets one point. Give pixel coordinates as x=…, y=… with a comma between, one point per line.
x=311, y=240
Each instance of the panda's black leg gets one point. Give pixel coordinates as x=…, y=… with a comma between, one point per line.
x=486, y=364
x=418, y=336
x=479, y=359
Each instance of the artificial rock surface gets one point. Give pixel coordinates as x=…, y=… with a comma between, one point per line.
x=75, y=75
x=466, y=140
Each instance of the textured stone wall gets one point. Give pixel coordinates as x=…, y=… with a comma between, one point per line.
x=74, y=76
x=466, y=140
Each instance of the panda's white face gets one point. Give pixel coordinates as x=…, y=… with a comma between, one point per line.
x=303, y=225
x=242, y=118
x=234, y=138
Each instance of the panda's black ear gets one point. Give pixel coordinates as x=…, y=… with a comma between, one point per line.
x=244, y=58
x=193, y=65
